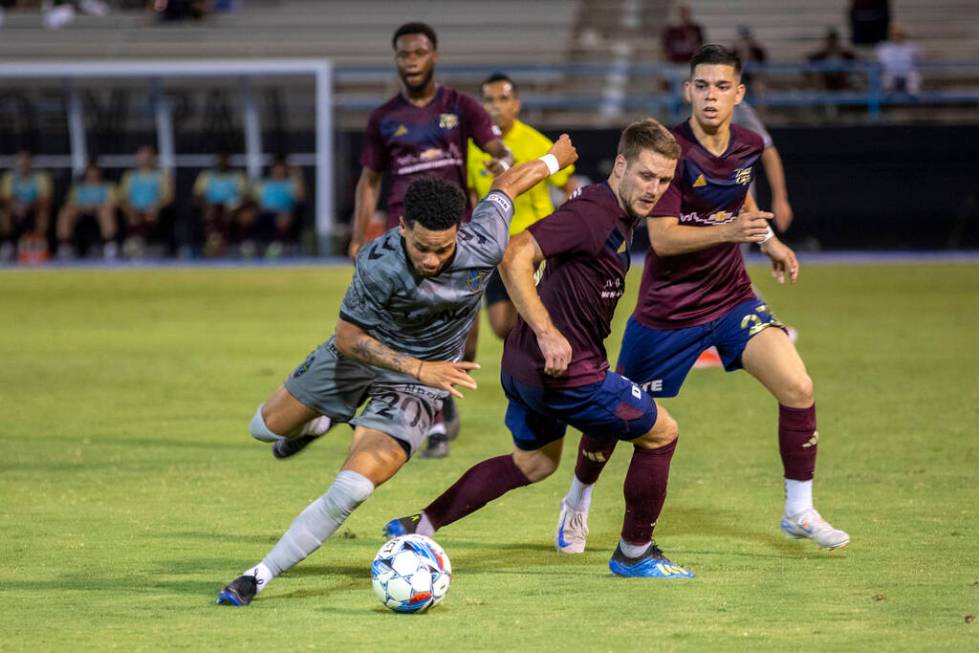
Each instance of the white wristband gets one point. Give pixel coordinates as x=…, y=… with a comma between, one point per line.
x=503, y=164
x=768, y=236
x=551, y=162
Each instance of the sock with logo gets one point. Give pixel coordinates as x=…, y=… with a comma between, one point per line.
x=482, y=483
x=645, y=492
x=593, y=454
x=797, y=442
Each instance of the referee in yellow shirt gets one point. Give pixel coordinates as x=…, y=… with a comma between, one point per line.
x=502, y=102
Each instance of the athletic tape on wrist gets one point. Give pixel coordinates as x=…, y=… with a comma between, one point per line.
x=768, y=236
x=503, y=164
x=551, y=162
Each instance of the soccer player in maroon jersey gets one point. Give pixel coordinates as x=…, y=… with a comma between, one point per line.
x=555, y=369
x=696, y=293
x=422, y=132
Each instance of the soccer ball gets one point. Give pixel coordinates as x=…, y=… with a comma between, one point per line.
x=411, y=573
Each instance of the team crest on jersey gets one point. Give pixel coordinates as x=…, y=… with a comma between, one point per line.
x=742, y=176
x=476, y=279
x=448, y=121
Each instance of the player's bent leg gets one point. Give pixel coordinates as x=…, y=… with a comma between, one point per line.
x=287, y=423
x=375, y=455
x=771, y=358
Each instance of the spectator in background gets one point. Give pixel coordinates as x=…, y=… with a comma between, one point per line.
x=898, y=59
x=88, y=216
x=219, y=194
x=752, y=54
x=25, y=210
x=869, y=21
x=270, y=221
x=833, y=52
x=682, y=36
x=180, y=9
x=145, y=194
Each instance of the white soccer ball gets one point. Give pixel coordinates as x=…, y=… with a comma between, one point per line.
x=411, y=573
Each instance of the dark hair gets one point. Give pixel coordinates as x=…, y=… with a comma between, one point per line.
x=647, y=134
x=415, y=28
x=500, y=77
x=434, y=203
x=715, y=54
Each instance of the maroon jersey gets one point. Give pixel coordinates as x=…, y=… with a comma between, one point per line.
x=586, y=245
x=409, y=141
x=690, y=289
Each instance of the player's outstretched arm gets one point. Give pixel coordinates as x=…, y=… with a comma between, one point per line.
x=519, y=179
x=354, y=342
x=523, y=255
x=668, y=237
x=365, y=203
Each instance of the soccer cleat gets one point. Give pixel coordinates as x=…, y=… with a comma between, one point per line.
x=313, y=430
x=239, y=592
x=651, y=564
x=438, y=447
x=402, y=525
x=810, y=524
x=285, y=448
x=572, y=530
x=450, y=417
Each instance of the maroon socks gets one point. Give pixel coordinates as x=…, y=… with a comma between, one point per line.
x=797, y=438
x=592, y=456
x=480, y=484
x=645, y=491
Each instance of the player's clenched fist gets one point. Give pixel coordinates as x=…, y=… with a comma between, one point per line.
x=446, y=374
x=564, y=151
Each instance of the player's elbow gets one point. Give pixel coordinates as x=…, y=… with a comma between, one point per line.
x=661, y=245
x=346, y=337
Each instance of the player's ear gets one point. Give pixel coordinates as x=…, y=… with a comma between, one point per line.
x=620, y=165
x=686, y=92
x=403, y=225
x=740, y=96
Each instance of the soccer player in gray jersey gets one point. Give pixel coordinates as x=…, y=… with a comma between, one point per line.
x=398, y=346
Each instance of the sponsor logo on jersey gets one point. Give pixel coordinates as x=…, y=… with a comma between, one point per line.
x=501, y=200
x=430, y=153
x=742, y=176
x=448, y=121
x=613, y=289
x=701, y=182
x=718, y=217
x=401, y=130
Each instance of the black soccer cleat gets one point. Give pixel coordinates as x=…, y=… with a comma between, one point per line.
x=438, y=447
x=285, y=448
x=239, y=592
x=450, y=417
x=402, y=525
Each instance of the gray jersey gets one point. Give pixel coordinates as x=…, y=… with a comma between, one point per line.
x=428, y=318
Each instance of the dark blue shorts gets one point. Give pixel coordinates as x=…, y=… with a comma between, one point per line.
x=495, y=290
x=616, y=408
x=659, y=359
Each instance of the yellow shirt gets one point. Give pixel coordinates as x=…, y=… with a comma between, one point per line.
x=527, y=144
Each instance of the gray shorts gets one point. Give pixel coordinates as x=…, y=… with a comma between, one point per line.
x=336, y=386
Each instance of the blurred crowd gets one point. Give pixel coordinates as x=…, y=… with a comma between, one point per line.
x=134, y=217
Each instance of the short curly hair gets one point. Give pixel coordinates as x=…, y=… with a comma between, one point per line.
x=434, y=203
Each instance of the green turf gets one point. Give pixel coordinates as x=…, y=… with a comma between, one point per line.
x=131, y=492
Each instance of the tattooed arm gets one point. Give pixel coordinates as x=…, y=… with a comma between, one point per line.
x=353, y=342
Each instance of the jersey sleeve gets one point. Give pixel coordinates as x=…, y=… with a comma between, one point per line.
x=568, y=231
x=480, y=126
x=373, y=152
x=369, y=290
x=488, y=233
x=669, y=204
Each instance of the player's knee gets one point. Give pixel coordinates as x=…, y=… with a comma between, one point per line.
x=798, y=393
x=536, y=466
x=664, y=431
x=259, y=428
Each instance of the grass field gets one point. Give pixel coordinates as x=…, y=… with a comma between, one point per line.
x=130, y=491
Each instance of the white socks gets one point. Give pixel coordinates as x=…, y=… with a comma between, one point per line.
x=579, y=495
x=632, y=550
x=261, y=573
x=798, y=497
